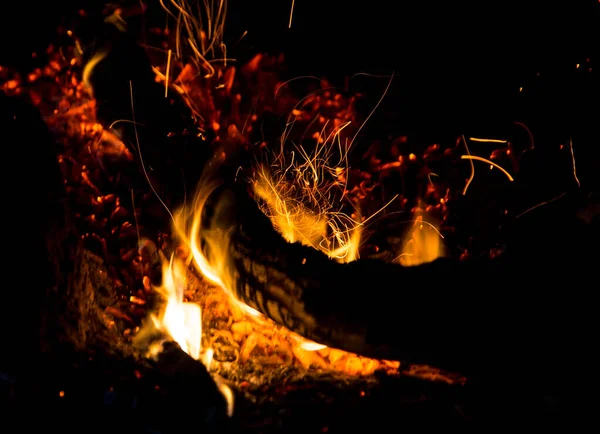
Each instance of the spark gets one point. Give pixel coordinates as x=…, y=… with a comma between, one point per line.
x=541, y=204
x=302, y=77
x=476, y=139
x=491, y=163
x=167, y=73
x=573, y=162
x=291, y=15
x=522, y=125
x=161, y=76
x=374, y=108
x=202, y=27
x=472, y=167
x=429, y=175
x=91, y=65
x=137, y=141
x=420, y=220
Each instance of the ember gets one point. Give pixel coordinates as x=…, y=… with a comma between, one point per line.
x=228, y=208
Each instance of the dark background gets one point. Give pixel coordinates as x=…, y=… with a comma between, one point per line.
x=458, y=65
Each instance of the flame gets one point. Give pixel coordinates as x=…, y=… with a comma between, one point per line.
x=180, y=320
x=424, y=244
x=302, y=192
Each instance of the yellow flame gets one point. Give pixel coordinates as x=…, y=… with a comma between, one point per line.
x=180, y=320
x=302, y=192
x=423, y=245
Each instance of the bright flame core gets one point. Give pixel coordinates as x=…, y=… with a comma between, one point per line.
x=180, y=320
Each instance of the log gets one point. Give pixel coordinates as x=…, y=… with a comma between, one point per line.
x=464, y=316
x=191, y=391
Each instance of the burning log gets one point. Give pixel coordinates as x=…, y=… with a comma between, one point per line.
x=433, y=313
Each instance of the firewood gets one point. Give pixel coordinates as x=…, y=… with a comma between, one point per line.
x=184, y=376
x=464, y=316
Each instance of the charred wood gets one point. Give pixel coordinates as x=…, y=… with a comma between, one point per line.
x=191, y=391
x=465, y=316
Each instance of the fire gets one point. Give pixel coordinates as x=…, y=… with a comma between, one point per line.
x=423, y=245
x=180, y=320
x=302, y=192
x=300, y=208
x=304, y=187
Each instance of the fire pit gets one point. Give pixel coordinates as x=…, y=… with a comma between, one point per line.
x=219, y=230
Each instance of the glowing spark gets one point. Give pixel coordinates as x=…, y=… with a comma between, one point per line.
x=374, y=108
x=491, y=163
x=201, y=26
x=161, y=76
x=302, y=77
x=91, y=65
x=167, y=73
x=522, y=125
x=423, y=247
x=428, y=224
x=573, y=162
x=429, y=175
x=472, y=167
x=137, y=141
x=541, y=204
x=291, y=14
x=476, y=139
